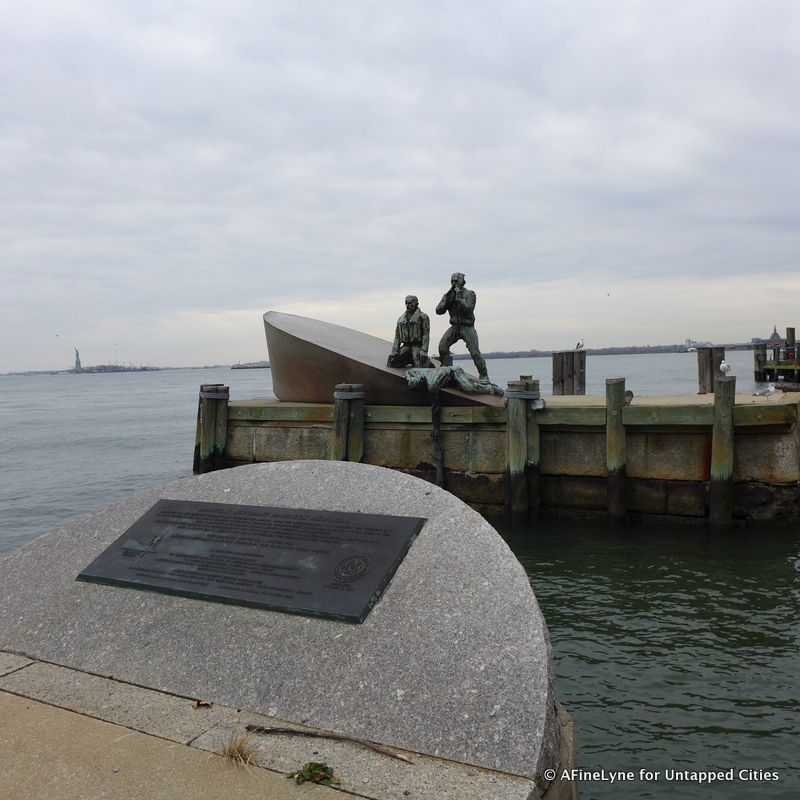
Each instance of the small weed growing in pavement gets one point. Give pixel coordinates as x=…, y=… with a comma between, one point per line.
x=239, y=749
x=315, y=772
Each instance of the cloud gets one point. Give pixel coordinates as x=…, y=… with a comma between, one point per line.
x=198, y=159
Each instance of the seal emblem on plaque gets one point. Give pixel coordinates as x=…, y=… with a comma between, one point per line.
x=351, y=568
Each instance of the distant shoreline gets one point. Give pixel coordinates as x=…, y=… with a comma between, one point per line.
x=628, y=350
x=593, y=351
x=250, y=365
x=104, y=369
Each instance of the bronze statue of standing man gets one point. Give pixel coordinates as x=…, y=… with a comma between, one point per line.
x=460, y=303
x=410, y=346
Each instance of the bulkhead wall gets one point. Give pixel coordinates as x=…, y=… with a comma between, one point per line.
x=668, y=463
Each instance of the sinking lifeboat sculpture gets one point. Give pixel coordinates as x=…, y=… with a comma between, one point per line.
x=309, y=357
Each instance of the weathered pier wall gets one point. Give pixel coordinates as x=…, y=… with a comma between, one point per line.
x=777, y=363
x=715, y=457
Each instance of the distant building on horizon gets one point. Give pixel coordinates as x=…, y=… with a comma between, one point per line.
x=77, y=360
x=776, y=340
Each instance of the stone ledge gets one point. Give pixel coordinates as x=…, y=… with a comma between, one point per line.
x=10, y=663
x=144, y=710
x=362, y=772
x=50, y=753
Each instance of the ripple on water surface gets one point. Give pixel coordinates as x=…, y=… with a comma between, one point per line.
x=675, y=649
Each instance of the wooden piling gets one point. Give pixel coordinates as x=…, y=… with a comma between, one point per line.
x=534, y=448
x=708, y=363
x=341, y=422
x=522, y=448
x=221, y=427
x=721, y=488
x=347, y=442
x=558, y=374
x=198, y=433
x=355, y=435
x=517, y=451
x=579, y=371
x=212, y=428
x=759, y=360
x=616, y=462
x=569, y=372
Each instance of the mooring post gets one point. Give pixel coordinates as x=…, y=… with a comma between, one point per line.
x=579, y=380
x=569, y=372
x=517, y=450
x=759, y=358
x=221, y=428
x=616, y=463
x=341, y=421
x=708, y=364
x=703, y=370
x=721, y=490
x=558, y=373
x=534, y=446
x=355, y=436
x=347, y=442
x=198, y=434
x=791, y=353
x=212, y=428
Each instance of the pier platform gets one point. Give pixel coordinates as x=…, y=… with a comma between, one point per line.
x=670, y=450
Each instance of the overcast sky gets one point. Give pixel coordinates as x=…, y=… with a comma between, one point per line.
x=625, y=172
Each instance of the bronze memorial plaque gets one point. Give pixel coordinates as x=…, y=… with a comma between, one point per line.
x=319, y=563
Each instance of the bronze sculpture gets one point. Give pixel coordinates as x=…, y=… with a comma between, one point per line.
x=436, y=378
x=309, y=356
x=410, y=346
x=460, y=303
x=432, y=381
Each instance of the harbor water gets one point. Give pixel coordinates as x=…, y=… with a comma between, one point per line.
x=677, y=651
